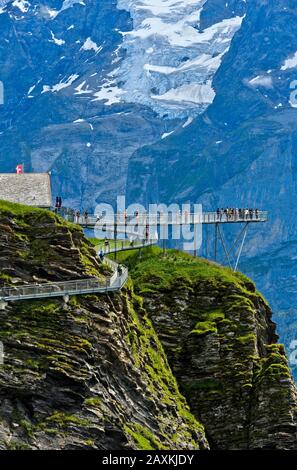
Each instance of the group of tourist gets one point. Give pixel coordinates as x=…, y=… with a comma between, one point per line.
x=84, y=215
x=228, y=214
x=58, y=204
x=231, y=214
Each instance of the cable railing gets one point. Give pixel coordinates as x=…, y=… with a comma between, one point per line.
x=153, y=220
x=74, y=287
x=123, y=245
x=120, y=273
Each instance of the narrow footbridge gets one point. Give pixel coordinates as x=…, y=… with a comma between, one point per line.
x=120, y=246
x=67, y=289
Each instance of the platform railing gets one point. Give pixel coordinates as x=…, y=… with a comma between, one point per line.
x=60, y=289
x=120, y=276
x=144, y=220
x=124, y=245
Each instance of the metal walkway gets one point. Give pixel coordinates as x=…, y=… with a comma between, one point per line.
x=67, y=288
x=120, y=224
x=121, y=246
x=151, y=220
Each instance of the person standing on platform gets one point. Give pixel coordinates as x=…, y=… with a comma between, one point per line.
x=106, y=245
x=86, y=217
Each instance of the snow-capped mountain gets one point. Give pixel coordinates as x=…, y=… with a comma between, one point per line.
x=55, y=56
x=89, y=82
x=165, y=61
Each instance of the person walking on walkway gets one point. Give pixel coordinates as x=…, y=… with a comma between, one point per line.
x=106, y=245
x=86, y=217
x=77, y=217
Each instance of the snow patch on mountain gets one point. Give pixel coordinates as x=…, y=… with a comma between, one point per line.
x=110, y=93
x=22, y=5
x=52, y=13
x=188, y=122
x=166, y=134
x=55, y=40
x=193, y=93
x=90, y=45
x=70, y=3
x=170, y=62
x=261, y=81
x=290, y=63
x=61, y=85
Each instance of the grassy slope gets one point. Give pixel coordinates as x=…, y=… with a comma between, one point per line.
x=22, y=212
x=154, y=272
x=99, y=243
x=237, y=321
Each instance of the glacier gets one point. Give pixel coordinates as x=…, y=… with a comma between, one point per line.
x=170, y=61
x=100, y=79
x=166, y=61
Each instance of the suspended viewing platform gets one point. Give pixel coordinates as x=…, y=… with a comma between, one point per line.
x=120, y=224
x=141, y=228
x=205, y=218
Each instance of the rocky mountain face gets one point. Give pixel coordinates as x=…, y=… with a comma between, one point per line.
x=218, y=333
x=88, y=83
x=241, y=151
x=61, y=112
x=91, y=374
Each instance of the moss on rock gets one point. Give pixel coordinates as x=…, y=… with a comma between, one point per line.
x=220, y=340
x=90, y=374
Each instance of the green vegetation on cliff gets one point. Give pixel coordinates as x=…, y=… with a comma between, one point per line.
x=186, y=345
x=89, y=374
x=41, y=246
x=221, y=344
x=153, y=271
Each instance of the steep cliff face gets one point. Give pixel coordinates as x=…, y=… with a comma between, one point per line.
x=88, y=375
x=36, y=246
x=221, y=343
x=185, y=357
x=241, y=152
